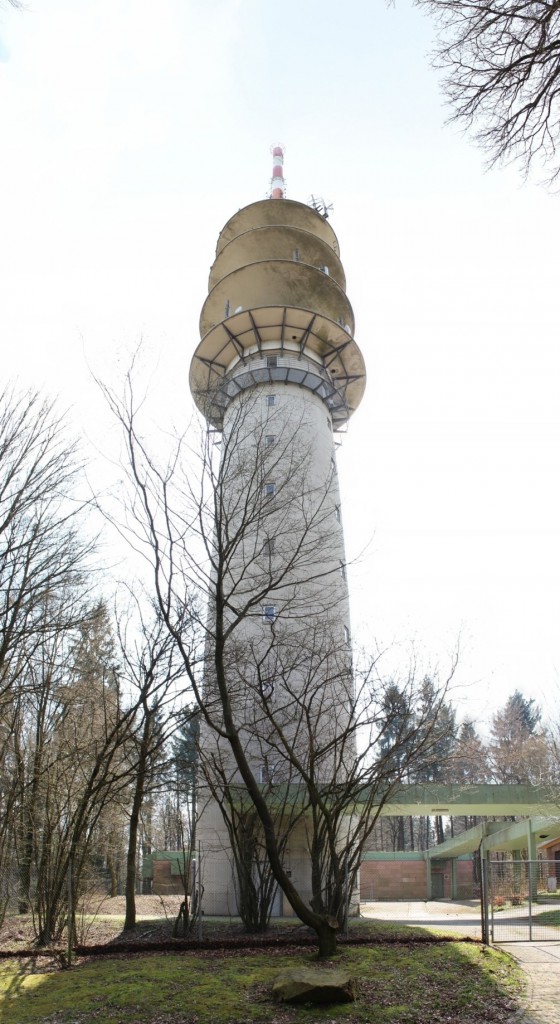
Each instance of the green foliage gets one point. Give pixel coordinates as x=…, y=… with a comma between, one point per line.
x=519, y=751
x=551, y=917
x=94, y=653
x=518, y=719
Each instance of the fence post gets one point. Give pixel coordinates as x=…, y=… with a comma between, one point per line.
x=199, y=891
x=70, y=920
x=484, y=901
x=529, y=862
x=346, y=897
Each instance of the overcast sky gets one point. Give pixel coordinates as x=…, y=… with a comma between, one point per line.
x=132, y=130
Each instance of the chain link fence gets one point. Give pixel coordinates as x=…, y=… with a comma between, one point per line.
x=522, y=901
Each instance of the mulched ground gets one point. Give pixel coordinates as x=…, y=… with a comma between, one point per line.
x=154, y=933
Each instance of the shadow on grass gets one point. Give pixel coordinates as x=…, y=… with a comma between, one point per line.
x=411, y=975
x=15, y=972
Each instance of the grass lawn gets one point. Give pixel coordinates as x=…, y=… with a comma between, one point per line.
x=548, y=917
x=447, y=983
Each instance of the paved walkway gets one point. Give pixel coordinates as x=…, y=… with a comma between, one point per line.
x=539, y=960
x=541, y=963
x=462, y=916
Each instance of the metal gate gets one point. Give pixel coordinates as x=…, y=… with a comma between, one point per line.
x=521, y=901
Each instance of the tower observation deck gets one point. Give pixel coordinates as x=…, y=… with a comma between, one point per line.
x=276, y=372
x=277, y=312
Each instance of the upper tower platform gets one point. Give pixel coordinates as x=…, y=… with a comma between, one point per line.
x=277, y=311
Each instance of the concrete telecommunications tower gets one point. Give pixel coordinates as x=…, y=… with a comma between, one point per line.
x=276, y=374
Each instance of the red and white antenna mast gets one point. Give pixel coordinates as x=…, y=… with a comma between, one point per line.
x=277, y=184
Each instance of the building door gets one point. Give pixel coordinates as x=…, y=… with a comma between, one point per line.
x=437, y=885
x=277, y=903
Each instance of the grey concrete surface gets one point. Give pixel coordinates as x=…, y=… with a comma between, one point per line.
x=460, y=917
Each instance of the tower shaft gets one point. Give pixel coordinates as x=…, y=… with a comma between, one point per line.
x=277, y=371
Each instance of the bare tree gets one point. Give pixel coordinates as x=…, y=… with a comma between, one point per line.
x=502, y=65
x=151, y=669
x=287, y=733
x=44, y=569
x=43, y=557
x=69, y=750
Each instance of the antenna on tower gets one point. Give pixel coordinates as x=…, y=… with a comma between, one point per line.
x=320, y=206
x=277, y=183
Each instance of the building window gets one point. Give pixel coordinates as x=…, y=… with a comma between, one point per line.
x=267, y=689
x=346, y=635
x=272, y=360
x=269, y=613
x=271, y=400
x=342, y=570
x=269, y=489
x=267, y=772
x=329, y=424
x=297, y=255
x=268, y=546
x=269, y=440
x=337, y=513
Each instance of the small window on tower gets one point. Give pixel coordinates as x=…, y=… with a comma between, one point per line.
x=269, y=440
x=269, y=613
x=272, y=360
x=267, y=772
x=268, y=546
x=337, y=513
x=271, y=399
x=267, y=689
x=269, y=489
x=297, y=255
x=342, y=570
x=346, y=635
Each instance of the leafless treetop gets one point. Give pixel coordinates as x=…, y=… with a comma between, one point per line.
x=502, y=64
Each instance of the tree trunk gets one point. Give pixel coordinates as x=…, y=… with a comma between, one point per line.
x=141, y=772
x=326, y=934
x=113, y=885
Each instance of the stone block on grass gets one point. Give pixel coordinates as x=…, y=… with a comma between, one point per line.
x=312, y=985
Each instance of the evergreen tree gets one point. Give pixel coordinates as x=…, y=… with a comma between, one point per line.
x=469, y=766
x=439, y=722
x=393, y=746
x=470, y=763
x=519, y=751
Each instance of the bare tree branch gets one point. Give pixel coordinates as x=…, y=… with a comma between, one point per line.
x=502, y=65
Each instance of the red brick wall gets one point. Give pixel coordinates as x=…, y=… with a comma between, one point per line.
x=164, y=883
x=393, y=880
x=465, y=880
x=406, y=879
